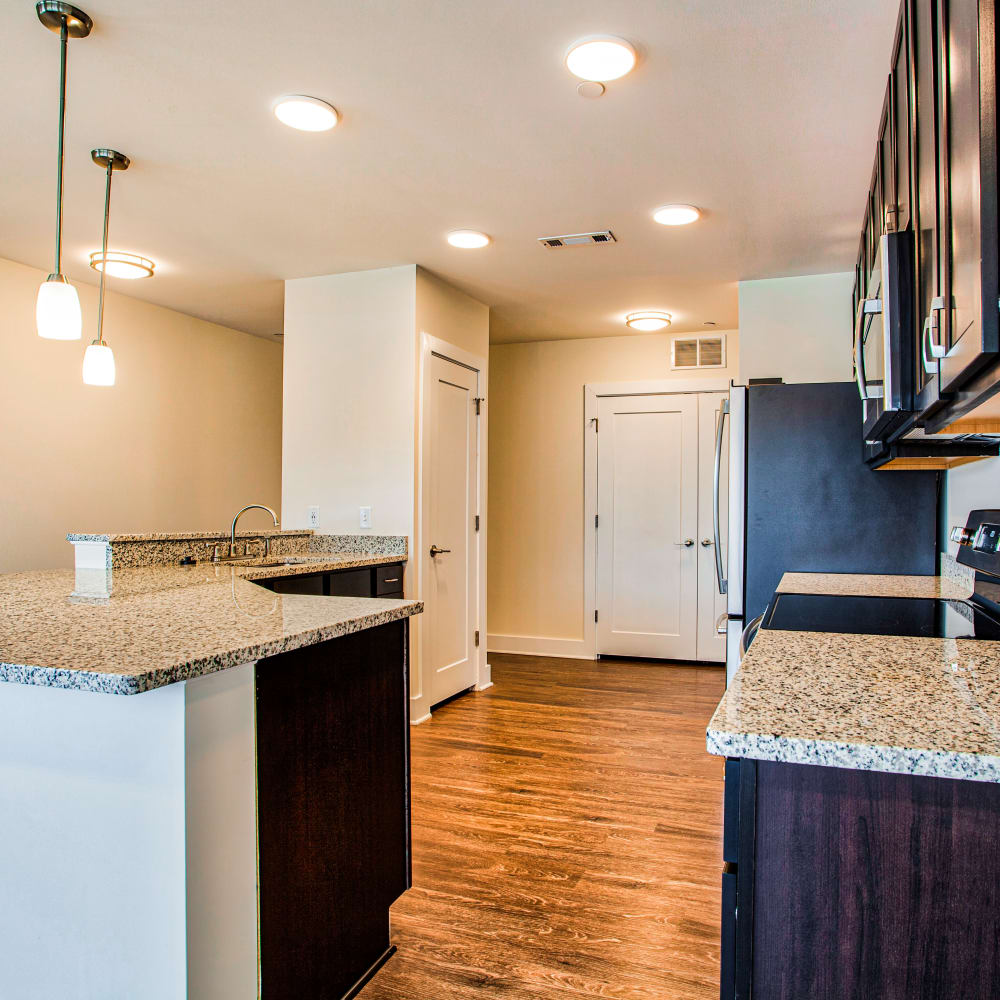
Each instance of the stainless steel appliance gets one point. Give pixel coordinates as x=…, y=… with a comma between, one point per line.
x=802, y=499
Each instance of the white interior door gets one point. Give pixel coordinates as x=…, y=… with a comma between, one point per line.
x=647, y=506
x=711, y=604
x=450, y=554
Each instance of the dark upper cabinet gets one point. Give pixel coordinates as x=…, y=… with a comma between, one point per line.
x=935, y=179
x=967, y=320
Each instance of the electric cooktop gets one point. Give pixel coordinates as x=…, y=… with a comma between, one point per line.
x=906, y=616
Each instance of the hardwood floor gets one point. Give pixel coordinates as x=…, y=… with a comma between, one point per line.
x=567, y=832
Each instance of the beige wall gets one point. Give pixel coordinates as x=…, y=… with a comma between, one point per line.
x=536, y=585
x=350, y=376
x=798, y=329
x=191, y=431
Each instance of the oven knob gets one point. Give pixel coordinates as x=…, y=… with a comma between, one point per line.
x=961, y=535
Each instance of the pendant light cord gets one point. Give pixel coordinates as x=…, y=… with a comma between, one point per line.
x=104, y=252
x=63, y=47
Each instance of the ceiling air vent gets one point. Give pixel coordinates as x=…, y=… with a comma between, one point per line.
x=698, y=352
x=578, y=239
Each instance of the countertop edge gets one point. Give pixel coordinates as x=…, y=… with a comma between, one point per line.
x=854, y=756
x=96, y=682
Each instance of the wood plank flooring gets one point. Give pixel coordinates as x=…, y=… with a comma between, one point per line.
x=567, y=832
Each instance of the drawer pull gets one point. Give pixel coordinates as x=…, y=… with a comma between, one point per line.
x=391, y=579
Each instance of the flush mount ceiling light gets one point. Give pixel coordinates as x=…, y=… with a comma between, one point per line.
x=648, y=320
x=468, y=239
x=307, y=114
x=600, y=58
x=676, y=215
x=57, y=309
x=122, y=265
x=99, y=361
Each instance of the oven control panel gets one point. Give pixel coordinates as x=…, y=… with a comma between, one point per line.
x=979, y=541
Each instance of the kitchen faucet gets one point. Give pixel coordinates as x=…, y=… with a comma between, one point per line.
x=239, y=514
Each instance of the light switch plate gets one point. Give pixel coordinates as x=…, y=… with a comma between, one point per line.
x=365, y=517
x=314, y=517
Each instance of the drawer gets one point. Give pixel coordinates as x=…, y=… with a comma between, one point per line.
x=351, y=583
x=311, y=583
x=388, y=580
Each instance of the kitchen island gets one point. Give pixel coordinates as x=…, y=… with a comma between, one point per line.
x=204, y=784
x=861, y=810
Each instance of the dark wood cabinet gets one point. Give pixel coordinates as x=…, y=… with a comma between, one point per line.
x=333, y=810
x=852, y=883
x=935, y=176
x=366, y=581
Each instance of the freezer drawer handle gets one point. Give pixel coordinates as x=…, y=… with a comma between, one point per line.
x=716, y=476
x=721, y=625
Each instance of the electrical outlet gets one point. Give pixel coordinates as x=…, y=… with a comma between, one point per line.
x=366, y=517
x=314, y=517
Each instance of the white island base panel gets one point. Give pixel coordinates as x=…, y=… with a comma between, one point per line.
x=128, y=833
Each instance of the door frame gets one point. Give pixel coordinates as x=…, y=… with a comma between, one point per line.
x=420, y=698
x=592, y=393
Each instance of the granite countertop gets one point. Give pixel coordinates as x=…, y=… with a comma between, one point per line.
x=878, y=703
x=164, y=624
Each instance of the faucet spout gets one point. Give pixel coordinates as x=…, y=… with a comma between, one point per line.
x=239, y=514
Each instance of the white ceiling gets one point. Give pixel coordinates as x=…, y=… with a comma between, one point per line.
x=456, y=114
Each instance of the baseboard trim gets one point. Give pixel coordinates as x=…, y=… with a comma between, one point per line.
x=539, y=645
x=423, y=718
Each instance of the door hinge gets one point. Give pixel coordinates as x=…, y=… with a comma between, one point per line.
x=479, y=400
x=596, y=516
x=477, y=637
x=477, y=522
x=595, y=616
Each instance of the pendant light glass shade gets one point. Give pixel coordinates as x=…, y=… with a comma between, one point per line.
x=99, y=365
x=57, y=310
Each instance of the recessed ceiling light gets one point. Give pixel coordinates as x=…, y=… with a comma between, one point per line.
x=122, y=265
x=648, y=319
x=468, y=239
x=308, y=114
x=600, y=58
x=676, y=215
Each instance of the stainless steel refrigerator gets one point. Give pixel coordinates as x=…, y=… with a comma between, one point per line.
x=801, y=499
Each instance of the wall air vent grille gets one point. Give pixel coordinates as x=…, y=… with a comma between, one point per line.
x=578, y=239
x=698, y=352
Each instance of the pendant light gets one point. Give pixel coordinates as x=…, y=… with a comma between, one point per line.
x=99, y=361
x=57, y=310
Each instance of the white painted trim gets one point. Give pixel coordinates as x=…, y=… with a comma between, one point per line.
x=540, y=645
x=430, y=345
x=655, y=387
x=591, y=394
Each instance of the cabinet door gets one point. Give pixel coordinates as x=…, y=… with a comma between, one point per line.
x=926, y=215
x=967, y=175
x=898, y=207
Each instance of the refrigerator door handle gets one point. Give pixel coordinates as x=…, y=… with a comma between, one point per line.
x=720, y=579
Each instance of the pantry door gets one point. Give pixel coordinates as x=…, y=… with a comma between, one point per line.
x=647, y=526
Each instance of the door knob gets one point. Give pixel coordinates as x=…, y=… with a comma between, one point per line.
x=706, y=542
x=687, y=543
x=435, y=551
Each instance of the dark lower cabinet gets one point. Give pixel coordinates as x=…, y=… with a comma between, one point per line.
x=861, y=884
x=366, y=581
x=333, y=811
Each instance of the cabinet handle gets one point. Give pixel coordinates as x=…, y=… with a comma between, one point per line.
x=706, y=542
x=687, y=543
x=931, y=350
x=866, y=307
x=391, y=579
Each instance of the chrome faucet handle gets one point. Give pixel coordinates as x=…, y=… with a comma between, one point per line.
x=214, y=546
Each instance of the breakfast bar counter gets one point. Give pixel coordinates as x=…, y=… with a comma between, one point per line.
x=204, y=784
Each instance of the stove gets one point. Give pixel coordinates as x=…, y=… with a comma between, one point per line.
x=909, y=616
x=978, y=617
